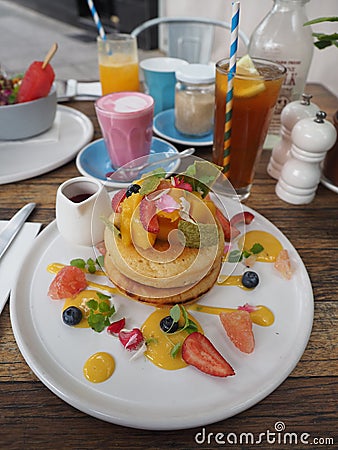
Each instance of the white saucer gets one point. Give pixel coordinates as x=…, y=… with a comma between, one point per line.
x=164, y=126
x=28, y=158
x=93, y=160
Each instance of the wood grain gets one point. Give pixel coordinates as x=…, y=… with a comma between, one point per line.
x=32, y=417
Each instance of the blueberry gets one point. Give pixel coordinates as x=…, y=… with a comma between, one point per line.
x=168, y=325
x=72, y=316
x=132, y=189
x=250, y=279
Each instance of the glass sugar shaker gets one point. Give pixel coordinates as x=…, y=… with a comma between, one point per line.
x=195, y=99
x=282, y=37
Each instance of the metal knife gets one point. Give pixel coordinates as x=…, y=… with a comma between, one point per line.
x=13, y=227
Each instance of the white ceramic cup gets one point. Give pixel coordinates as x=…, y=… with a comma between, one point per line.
x=160, y=80
x=80, y=203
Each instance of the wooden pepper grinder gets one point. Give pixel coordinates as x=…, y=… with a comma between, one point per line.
x=300, y=175
x=291, y=114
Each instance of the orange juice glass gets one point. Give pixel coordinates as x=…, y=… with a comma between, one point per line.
x=254, y=98
x=118, y=63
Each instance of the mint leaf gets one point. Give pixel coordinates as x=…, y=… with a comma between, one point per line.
x=191, y=327
x=100, y=261
x=175, y=350
x=92, y=304
x=256, y=248
x=175, y=313
x=78, y=262
x=235, y=256
x=102, y=296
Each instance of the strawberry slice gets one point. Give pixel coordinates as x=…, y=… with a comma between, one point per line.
x=230, y=232
x=242, y=217
x=198, y=351
x=238, y=326
x=148, y=216
x=131, y=339
x=118, y=199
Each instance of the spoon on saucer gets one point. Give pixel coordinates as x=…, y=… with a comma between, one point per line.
x=127, y=173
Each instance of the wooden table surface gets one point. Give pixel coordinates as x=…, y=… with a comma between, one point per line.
x=32, y=417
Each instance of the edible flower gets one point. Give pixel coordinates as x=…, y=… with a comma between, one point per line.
x=167, y=203
x=181, y=184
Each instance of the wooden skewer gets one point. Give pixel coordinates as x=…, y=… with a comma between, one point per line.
x=49, y=55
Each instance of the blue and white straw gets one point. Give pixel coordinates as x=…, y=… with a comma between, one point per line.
x=230, y=93
x=97, y=20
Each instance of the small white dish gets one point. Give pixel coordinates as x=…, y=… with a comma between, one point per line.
x=25, y=159
x=93, y=161
x=164, y=126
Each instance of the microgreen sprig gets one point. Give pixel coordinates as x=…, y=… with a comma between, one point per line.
x=189, y=326
x=100, y=312
x=90, y=265
x=238, y=255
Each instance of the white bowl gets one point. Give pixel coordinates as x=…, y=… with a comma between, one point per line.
x=28, y=119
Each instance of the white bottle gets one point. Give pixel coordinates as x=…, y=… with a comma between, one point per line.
x=311, y=139
x=282, y=37
x=291, y=114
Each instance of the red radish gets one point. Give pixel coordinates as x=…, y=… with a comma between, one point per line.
x=115, y=327
x=131, y=339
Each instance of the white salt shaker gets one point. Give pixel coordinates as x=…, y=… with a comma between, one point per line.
x=300, y=175
x=292, y=113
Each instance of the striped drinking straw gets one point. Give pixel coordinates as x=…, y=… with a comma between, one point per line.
x=97, y=20
x=229, y=96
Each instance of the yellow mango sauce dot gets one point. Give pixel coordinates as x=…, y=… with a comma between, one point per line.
x=160, y=344
x=272, y=246
x=99, y=367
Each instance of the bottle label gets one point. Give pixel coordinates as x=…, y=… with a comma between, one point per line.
x=291, y=90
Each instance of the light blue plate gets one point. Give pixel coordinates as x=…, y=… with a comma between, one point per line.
x=93, y=160
x=164, y=126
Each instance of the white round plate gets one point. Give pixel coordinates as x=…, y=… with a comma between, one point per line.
x=329, y=185
x=164, y=126
x=93, y=161
x=139, y=394
x=21, y=160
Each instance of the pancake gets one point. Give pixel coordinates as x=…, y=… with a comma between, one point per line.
x=164, y=296
x=162, y=266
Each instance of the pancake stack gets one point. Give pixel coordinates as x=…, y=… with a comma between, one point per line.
x=164, y=243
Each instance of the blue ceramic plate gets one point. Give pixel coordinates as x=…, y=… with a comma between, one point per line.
x=164, y=126
x=93, y=160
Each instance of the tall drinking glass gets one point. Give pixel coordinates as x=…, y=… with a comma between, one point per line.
x=254, y=98
x=118, y=63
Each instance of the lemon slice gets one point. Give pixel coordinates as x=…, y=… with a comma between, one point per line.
x=247, y=87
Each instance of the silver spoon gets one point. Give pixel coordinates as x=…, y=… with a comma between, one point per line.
x=125, y=171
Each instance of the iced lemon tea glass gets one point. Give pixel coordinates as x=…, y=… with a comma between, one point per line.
x=256, y=86
x=118, y=63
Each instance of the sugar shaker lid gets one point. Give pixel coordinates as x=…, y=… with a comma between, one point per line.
x=196, y=74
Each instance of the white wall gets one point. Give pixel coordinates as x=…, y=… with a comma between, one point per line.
x=324, y=66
